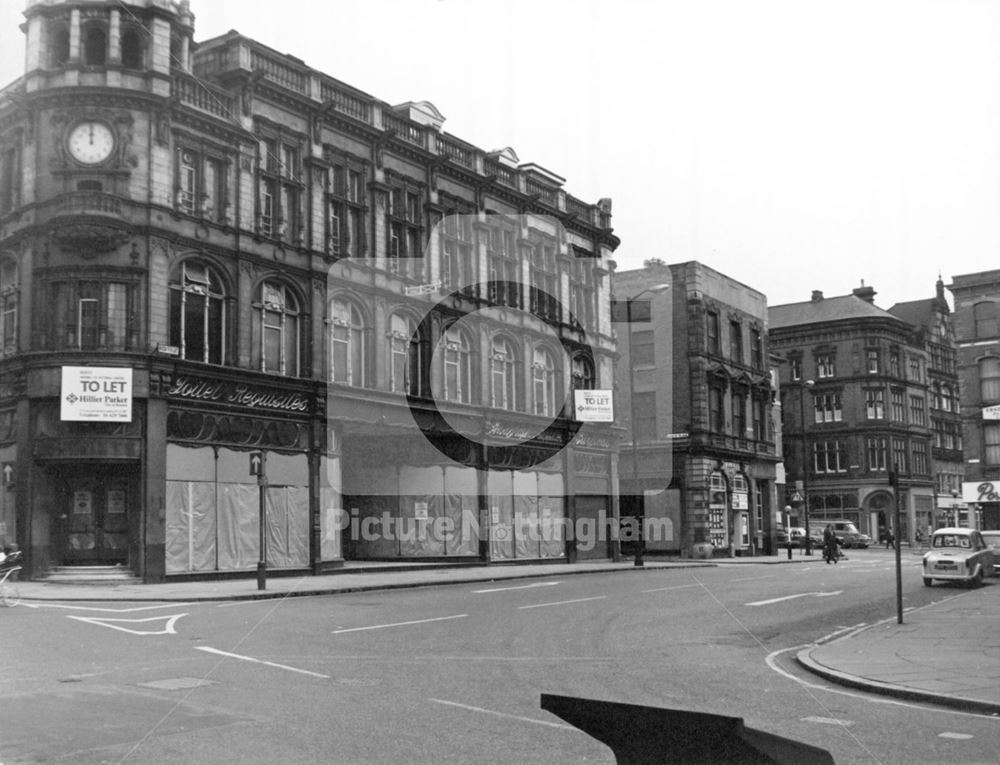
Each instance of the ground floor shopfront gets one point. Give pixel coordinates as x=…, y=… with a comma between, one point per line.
x=871, y=508
x=701, y=504
x=180, y=490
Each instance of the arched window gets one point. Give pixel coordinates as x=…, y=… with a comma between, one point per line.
x=8, y=305
x=59, y=46
x=406, y=356
x=132, y=48
x=543, y=380
x=347, y=344
x=457, y=366
x=946, y=398
x=276, y=329
x=503, y=374
x=583, y=373
x=95, y=45
x=197, y=312
x=177, y=54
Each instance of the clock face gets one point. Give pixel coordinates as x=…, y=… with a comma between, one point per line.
x=91, y=142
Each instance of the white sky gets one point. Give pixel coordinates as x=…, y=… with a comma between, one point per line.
x=791, y=144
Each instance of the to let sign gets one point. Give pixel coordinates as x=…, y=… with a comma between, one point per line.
x=594, y=405
x=96, y=394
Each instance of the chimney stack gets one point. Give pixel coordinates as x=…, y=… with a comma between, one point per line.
x=817, y=296
x=865, y=293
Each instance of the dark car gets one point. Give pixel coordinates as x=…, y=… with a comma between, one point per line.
x=992, y=540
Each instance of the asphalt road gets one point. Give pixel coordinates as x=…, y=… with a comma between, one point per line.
x=453, y=674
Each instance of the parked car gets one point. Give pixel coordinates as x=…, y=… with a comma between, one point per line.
x=960, y=555
x=797, y=535
x=992, y=540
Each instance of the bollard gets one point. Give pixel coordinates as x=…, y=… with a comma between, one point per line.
x=789, y=551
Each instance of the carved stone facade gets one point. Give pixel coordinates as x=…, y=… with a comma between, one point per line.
x=297, y=273
x=701, y=448
x=858, y=388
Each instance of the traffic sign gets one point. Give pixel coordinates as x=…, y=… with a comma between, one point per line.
x=796, y=497
x=256, y=463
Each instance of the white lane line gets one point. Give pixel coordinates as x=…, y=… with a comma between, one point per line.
x=399, y=624
x=561, y=602
x=675, y=587
x=827, y=721
x=519, y=587
x=216, y=651
x=115, y=624
x=961, y=736
x=104, y=609
x=792, y=597
x=546, y=723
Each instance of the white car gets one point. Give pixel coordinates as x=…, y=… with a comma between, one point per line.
x=958, y=555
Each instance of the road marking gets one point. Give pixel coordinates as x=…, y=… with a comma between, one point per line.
x=168, y=627
x=772, y=661
x=216, y=651
x=961, y=736
x=546, y=723
x=519, y=587
x=675, y=587
x=792, y=597
x=561, y=602
x=106, y=610
x=752, y=578
x=399, y=624
x=827, y=721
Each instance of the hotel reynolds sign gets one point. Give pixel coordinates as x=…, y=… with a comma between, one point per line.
x=238, y=394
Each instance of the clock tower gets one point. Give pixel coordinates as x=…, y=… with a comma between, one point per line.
x=86, y=188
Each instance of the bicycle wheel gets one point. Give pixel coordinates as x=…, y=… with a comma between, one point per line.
x=10, y=595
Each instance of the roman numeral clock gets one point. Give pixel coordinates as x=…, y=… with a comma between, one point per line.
x=90, y=142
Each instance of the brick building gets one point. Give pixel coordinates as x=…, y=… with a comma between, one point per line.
x=277, y=272
x=977, y=329
x=701, y=449
x=855, y=386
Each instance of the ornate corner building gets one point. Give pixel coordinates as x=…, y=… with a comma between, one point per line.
x=864, y=391
x=234, y=287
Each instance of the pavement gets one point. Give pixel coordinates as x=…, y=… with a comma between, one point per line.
x=946, y=653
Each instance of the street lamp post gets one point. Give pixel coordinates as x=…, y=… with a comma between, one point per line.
x=805, y=468
x=641, y=541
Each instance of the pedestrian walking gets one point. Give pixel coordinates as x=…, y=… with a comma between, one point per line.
x=829, y=544
x=890, y=541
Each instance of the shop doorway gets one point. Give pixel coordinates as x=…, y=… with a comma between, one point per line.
x=94, y=509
